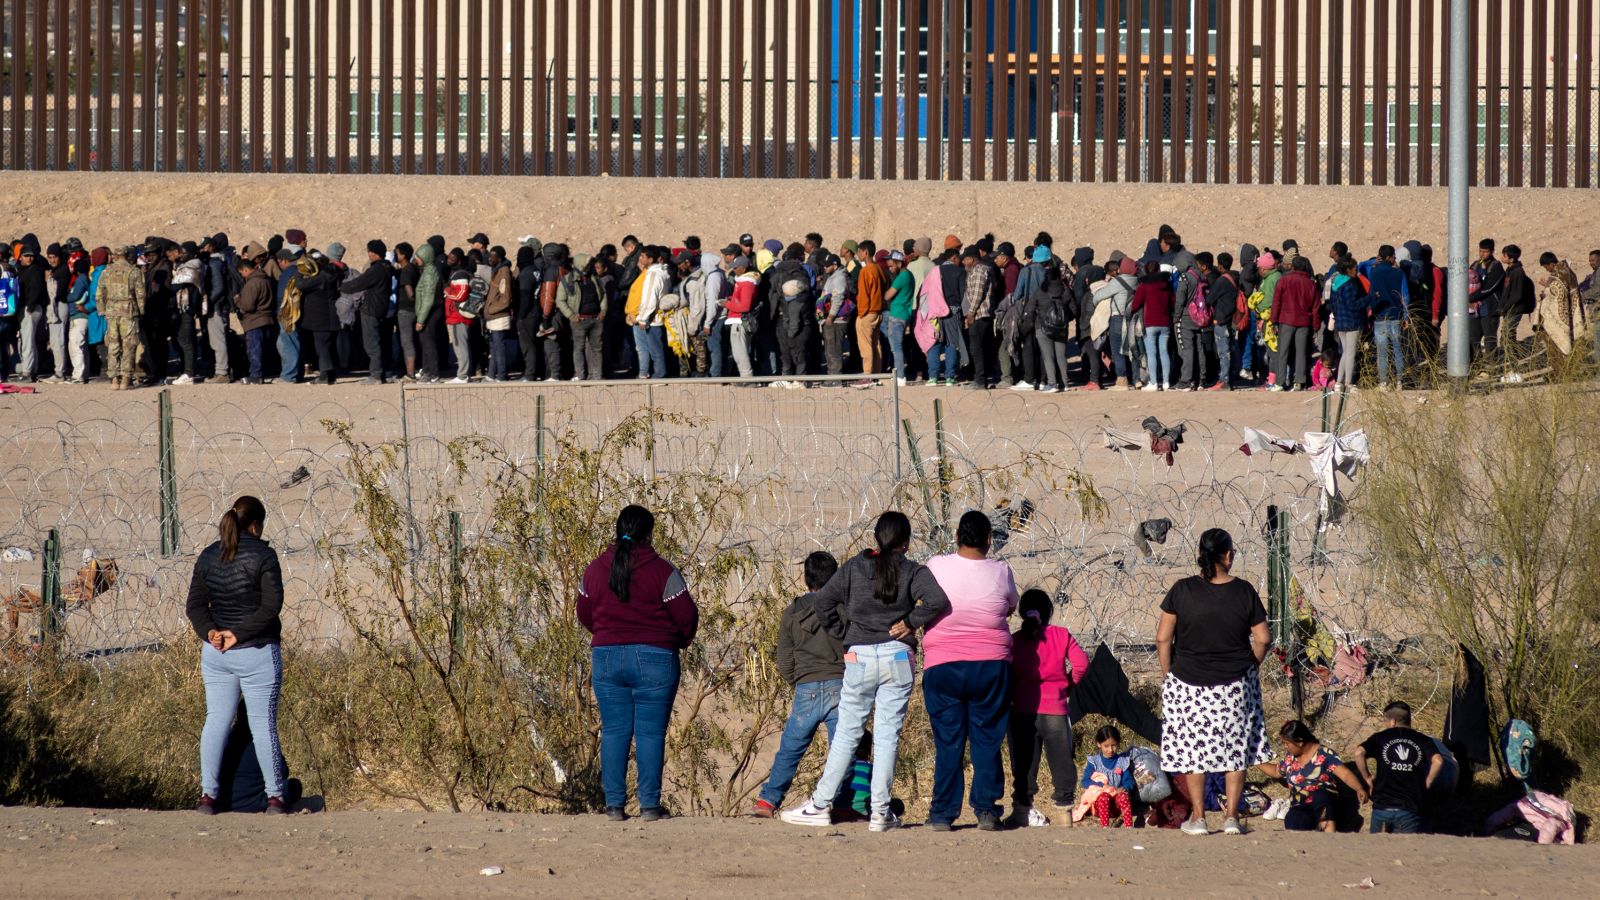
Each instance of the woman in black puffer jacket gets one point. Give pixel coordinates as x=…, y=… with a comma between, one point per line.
x=234, y=600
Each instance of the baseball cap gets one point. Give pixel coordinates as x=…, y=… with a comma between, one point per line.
x=741, y=262
x=479, y=238
x=897, y=256
x=746, y=240
x=731, y=250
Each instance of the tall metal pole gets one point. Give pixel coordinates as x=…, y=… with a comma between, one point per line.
x=1459, y=355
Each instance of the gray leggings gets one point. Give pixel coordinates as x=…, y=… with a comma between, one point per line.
x=461, y=343
x=1349, y=346
x=1054, y=354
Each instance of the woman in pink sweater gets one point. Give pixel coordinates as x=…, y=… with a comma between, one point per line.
x=1046, y=662
x=966, y=675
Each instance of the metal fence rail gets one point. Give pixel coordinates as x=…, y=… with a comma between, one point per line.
x=1224, y=91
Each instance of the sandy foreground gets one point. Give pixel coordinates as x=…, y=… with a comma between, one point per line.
x=589, y=212
x=116, y=853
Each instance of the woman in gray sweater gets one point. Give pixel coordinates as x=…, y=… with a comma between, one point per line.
x=885, y=598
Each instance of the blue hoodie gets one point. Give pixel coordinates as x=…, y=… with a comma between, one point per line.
x=1391, y=297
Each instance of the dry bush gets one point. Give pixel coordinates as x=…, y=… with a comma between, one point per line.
x=1486, y=507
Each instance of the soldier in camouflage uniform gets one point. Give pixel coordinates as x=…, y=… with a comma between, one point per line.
x=121, y=300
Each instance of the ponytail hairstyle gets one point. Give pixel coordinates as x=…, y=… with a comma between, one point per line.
x=894, y=536
x=1036, y=609
x=635, y=524
x=247, y=513
x=1297, y=731
x=1215, y=545
x=975, y=531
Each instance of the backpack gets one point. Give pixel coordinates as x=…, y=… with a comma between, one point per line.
x=1517, y=742
x=1198, y=310
x=8, y=295
x=1241, y=306
x=477, y=295
x=795, y=287
x=1052, y=318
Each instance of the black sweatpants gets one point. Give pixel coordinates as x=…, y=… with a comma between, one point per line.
x=1036, y=736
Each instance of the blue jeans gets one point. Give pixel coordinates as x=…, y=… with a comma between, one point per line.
x=894, y=331
x=258, y=673
x=714, y=349
x=289, y=352
x=652, y=346
x=634, y=685
x=1246, y=344
x=503, y=348
x=1394, y=821
x=968, y=702
x=947, y=354
x=877, y=677
x=253, y=339
x=1157, y=354
x=816, y=704
x=1224, y=338
x=1119, y=360
x=1386, y=332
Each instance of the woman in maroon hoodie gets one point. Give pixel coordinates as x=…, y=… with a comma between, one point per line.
x=1153, y=297
x=638, y=608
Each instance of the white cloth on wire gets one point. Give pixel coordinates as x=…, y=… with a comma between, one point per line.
x=1332, y=455
x=1263, y=442
x=1119, y=440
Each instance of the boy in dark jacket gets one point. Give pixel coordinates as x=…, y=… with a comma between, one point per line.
x=1516, y=301
x=811, y=659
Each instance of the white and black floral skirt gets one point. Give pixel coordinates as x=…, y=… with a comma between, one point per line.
x=1213, y=729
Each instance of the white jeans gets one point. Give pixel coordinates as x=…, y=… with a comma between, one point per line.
x=76, y=339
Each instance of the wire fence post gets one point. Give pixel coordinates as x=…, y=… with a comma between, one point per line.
x=538, y=463
x=457, y=585
x=50, y=590
x=169, y=478
x=935, y=536
x=899, y=465
x=944, y=463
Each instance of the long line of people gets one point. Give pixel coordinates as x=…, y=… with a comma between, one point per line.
x=981, y=313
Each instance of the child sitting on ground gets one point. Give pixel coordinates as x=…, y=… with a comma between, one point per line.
x=1108, y=778
x=1323, y=373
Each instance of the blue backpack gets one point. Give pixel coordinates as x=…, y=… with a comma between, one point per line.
x=1517, y=742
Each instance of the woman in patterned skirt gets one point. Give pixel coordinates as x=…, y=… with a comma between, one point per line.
x=1211, y=640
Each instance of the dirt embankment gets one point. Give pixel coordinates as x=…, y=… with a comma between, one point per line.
x=587, y=212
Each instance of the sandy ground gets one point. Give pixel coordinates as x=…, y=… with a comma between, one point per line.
x=64, y=853
x=588, y=212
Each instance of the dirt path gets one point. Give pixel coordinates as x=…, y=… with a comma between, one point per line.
x=64, y=853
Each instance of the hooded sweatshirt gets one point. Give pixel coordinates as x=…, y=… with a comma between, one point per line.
x=428, y=282
x=1249, y=277
x=850, y=608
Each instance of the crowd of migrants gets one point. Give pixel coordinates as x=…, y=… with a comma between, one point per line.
x=980, y=314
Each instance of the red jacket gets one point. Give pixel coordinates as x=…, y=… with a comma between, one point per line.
x=659, y=611
x=1294, y=301
x=1154, y=296
x=455, y=292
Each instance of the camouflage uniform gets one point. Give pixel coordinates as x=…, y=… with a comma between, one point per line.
x=120, y=299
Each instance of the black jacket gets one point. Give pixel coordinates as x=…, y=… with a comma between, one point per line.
x=318, y=298
x=375, y=284
x=244, y=595
x=807, y=651
x=1518, y=296
x=32, y=296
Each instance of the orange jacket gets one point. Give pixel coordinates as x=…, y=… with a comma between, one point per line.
x=870, y=285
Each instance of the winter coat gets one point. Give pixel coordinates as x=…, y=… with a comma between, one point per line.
x=319, y=296
x=1348, y=303
x=243, y=595
x=1294, y=300
x=1390, y=296
x=429, y=288
x=374, y=285
x=254, y=304
x=1153, y=297
x=498, y=305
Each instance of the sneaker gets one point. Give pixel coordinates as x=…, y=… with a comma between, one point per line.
x=1192, y=827
x=1091, y=386
x=884, y=821
x=1244, y=375
x=183, y=379
x=1231, y=825
x=76, y=381
x=457, y=380
x=938, y=826
x=616, y=814
x=275, y=806
x=207, y=805
x=989, y=822
x=1275, y=388
x=1152, y=386
x=763, y=810
x=1049, y=389
x=1219, y=386
x=1022, y=386
x=654, y=814
x=1166, y=387
x=777, y=384
x=809, y=814
x=1037, y=819
x=1278, y=809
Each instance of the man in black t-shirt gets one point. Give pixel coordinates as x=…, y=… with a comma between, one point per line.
x=1407, y=764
